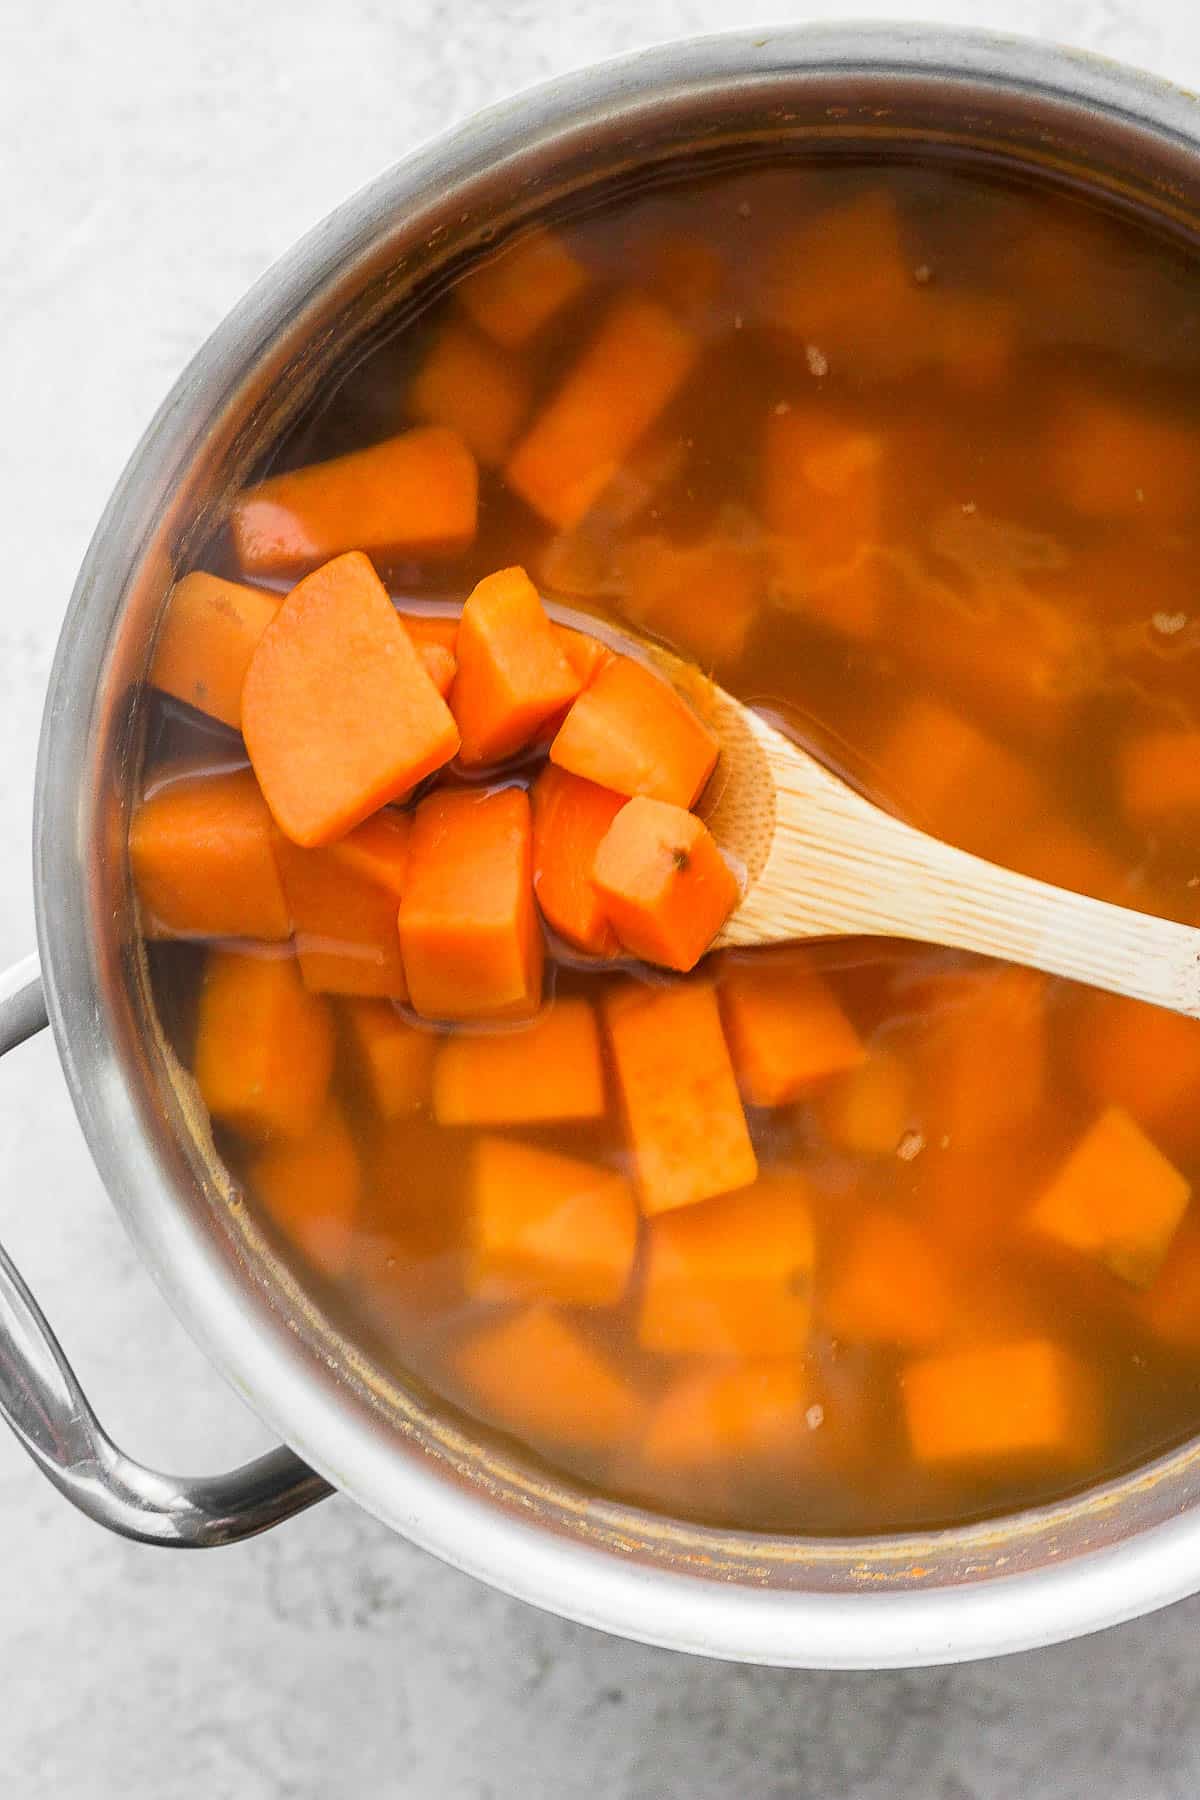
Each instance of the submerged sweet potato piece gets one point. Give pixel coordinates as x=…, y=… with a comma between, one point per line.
x=786, y=1029
x=972, y=336
x=548, y=1227
x=439, y=630
x=311, y=1187
x=582, y=561
x=1158, y=777
x=264, y=1046
x=631, y=369
x=512, y=673
x=1011, y=657
x=703, y=598
x=1007, y=1402
x=1068, y=858
x=436, y=641
x=536, y=1376
x=467, y=384
x=338, y=711
x=414, y=493
x=891, y=1286
x=1139, y=1057
x=343, y=918
x=440, y=667
x=549, y=1070
x=1170, y=1306
x=729, y=1413
x=663, y=882
x=842, y=284
x=822, y=500
x=396, y=1059
x=947, y=776
x=731, y=1277
x=376, y=850
x=586, y=654
x=631, y=732
x=867, y=1109
x=1112, y=459
x=992, y=1020
x=521, y=288
x=686, y=1126
x=208, y=634
x=200, y=849
x=1116, y=1197
x=570, y=817
x=469, y=930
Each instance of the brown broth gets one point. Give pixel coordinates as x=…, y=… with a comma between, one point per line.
x=1053, y=632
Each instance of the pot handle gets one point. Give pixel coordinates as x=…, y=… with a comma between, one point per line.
x=46, y=1408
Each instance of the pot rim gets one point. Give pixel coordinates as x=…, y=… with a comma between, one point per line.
x=267, y=1363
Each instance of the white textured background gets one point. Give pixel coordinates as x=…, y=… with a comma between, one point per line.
x=155, y=157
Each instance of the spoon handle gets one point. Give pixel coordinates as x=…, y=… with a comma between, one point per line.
x=839, y=865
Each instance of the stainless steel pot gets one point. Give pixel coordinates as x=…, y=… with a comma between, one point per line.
x=1122, y=1549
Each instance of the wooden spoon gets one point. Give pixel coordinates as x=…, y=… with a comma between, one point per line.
x=821, y=861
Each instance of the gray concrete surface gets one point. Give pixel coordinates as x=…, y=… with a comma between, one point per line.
x=154, y=158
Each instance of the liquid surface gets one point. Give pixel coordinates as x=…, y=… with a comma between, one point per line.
x=929, y=496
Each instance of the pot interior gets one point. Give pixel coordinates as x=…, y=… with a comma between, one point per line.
x=350, y=288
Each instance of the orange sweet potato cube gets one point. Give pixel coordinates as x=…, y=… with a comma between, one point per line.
x=630, y=731
x=638, y=359
x=414, y=494
x=1113, y=459
x=786, y=1028
x=1170, y=1306
x=585, y=653
x=1069, y=858
x=729, y=1413
x=867, y=1110
x=941, y=772
x=973, y=337
x=548, y=1227
x=343, y=902
x=1158, y=777
x=395, y=1058
x=512, y=673
x=664, y=884
x=1116, y=1197
x=890, y=1286
x=686, y=1126
x=703, y=598
x=426, y=628
x=467, y=384
x=469, y=929
x=992, y=1019
x=536, y=1376
x=200, y=848
x=550, y=1069
x=822, y=499
x=377, y=850
x=311, y=1188
x=844, y=286
x=1010, y=1402
x=208, y=634
x=517, y=291
x=570, y=817
x=435, y=639
x=264, y=1046
x=338, y=712
x=1143, y=1058
x=732, y=1277
x=1011, y=657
